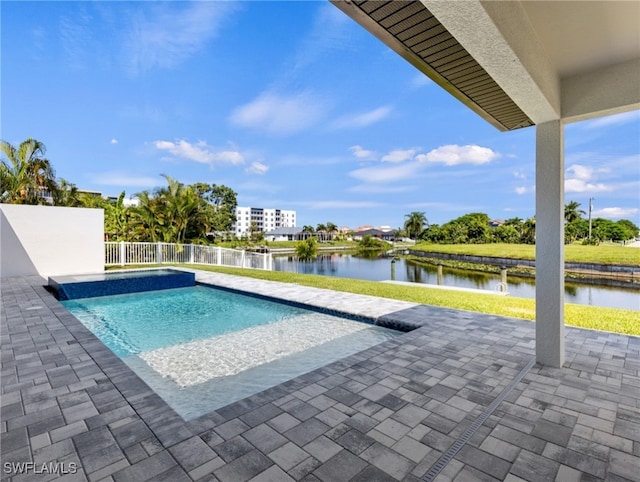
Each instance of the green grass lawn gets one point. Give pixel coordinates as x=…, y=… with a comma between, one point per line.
x=606, y=254
x=598, y=318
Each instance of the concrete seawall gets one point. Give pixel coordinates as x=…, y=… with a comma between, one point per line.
x=595, y=270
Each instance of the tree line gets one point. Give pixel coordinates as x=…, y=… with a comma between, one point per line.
x=175, y=213
x=179, y=213
x=477, y=228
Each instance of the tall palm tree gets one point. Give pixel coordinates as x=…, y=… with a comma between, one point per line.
x=116, y=217
x=148, y=219
x=26, y=176
x=529, y=231
x=415, y=224
x=331, y=227
x=571, y=211
x=66, y=195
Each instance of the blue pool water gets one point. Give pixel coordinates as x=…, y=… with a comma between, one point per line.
x=201, y=348
x=140, y=322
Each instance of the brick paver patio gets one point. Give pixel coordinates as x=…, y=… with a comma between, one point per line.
x=414, y=408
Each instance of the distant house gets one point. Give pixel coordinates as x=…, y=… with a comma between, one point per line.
x=494, y=223
x=376, y=233
x=284, y=234
x=296, y=234
x=366, y=227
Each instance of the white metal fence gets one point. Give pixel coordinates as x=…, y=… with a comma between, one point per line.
x=123, y=253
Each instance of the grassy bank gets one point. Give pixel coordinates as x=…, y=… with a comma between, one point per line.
x=607, y=319
x=605, y=254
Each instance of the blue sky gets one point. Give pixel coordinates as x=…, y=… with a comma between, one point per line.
x=291, y=104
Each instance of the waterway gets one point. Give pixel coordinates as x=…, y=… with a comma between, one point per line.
x=344, y=265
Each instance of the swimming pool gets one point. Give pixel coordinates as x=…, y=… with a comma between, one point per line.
x=201, y=348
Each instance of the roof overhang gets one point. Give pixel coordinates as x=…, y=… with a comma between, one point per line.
x=517, y=63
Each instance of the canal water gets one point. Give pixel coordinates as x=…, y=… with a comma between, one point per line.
x=344, y=265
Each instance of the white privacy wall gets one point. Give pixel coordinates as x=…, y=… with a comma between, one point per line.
x=47, y=240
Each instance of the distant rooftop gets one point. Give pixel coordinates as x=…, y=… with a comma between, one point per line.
x=284, y=231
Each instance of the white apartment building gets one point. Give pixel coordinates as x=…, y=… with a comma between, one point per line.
x=265, y=219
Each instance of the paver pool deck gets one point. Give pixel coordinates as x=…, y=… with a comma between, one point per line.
x=458, y=398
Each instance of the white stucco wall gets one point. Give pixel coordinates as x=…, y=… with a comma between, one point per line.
x=46, y=240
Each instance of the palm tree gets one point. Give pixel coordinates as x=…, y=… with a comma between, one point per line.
x=26, y=177
x=571, y=211
x=529, y=231
x=415, y=224
x=66, y=195
x=148, y=218
x=116, y=216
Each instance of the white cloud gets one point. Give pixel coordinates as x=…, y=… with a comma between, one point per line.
x=168, y=34
x=378, y=189
x=392, y=173
x=199, y=152
x=341, y=204
x=615, y=212
x=363, y=119
x=361, y=153
x=520, y=174
x=257, y=167
x=524, y=189
x=124, y=180
x=254, y=186
x=419, y=80
x=304, y=160
x=578, y=171
x=399, y=155
x=613, y=120
x=328, y=34
x=280, y=114
x=453, y=154
x=579, y=185
x=114, y=141
x=581, y=178
x=77, y=37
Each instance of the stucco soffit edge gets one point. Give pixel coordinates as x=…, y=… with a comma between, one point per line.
x=606, y=91
x=501, y=39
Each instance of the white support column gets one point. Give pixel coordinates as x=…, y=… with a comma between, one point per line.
x=550, y=243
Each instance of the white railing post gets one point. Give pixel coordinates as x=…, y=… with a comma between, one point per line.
x=159, y=253
x=122, y=254
x=219, y=256
x=191, y=254
x=242, y=258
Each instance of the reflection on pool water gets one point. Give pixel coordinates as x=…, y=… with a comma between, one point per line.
x=202, y=348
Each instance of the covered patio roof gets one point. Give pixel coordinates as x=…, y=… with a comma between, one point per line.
x=518, y=64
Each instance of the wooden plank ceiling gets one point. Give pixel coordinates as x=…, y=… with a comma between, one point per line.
x=411, y=30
